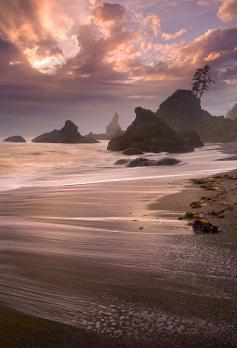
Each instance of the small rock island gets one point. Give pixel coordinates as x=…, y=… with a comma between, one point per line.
x=15, y=139
x=68, y=135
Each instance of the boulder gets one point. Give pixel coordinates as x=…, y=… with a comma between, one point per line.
x=15, y=139
x=113, y=129
x=122, y=161
x=132, y=151
x=204, y=227
x=149, y=133
x=68, y=134
x=182, y=111
x=168, y=161
x=145, y=162
x=141, y=162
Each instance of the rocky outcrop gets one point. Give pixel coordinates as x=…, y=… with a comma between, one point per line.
x=182, y=111
x=68, y=134
x=204, y=227
x=232, y=114
x=145, y=162
x=149, y=133
x=15, y=139
x=113, y=129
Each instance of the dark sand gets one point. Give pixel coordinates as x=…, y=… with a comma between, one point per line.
x=20, y=330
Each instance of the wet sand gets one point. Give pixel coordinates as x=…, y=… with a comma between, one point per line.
x=99, y=258
x=22, y=331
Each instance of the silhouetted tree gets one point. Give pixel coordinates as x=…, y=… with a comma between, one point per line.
x=201, y=80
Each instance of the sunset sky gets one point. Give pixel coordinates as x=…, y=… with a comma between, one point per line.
x=85, y=59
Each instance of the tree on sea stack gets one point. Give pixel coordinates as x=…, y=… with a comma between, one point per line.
x=201, y=81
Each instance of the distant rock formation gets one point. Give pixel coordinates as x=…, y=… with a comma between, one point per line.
x=182, y=112
x=68, y=134
x=15, y=139
x=98, y=136
x=232, y=114
x=149, y=133
x=113, y=129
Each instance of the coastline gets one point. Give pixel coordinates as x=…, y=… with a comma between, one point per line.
x=141, y=248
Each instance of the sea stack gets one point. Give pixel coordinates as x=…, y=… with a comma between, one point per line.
x=182, y=111
x=113, y=129
x=68, y=134
x=15, y=139
x=149, y=133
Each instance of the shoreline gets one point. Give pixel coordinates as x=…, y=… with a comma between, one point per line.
x=142, y=231
x=209, y=198
x=22, y=330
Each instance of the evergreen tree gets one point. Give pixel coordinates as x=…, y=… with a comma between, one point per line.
x=201, y=81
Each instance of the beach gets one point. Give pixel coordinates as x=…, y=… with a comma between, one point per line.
x=101, y=254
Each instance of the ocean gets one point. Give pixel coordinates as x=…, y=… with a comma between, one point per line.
x=40, y=165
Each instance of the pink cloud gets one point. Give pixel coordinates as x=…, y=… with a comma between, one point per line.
x=168, y=36
x=227, y=10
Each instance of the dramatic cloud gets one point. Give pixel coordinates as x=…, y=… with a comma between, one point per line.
x=148, y=22
x=110, y=13
x=228, y=10
x=58, y=57
x=167, y=36
x=20, y=22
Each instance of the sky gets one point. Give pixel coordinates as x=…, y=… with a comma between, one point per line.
x=84, y=60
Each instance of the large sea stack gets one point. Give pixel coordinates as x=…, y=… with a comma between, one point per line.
x=182, y=111
x=149, y=133
x=15, y=139
x=113, y=129
x=192, y=138
x=68, y=134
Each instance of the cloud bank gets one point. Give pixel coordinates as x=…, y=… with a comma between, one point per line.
x=58, y=56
